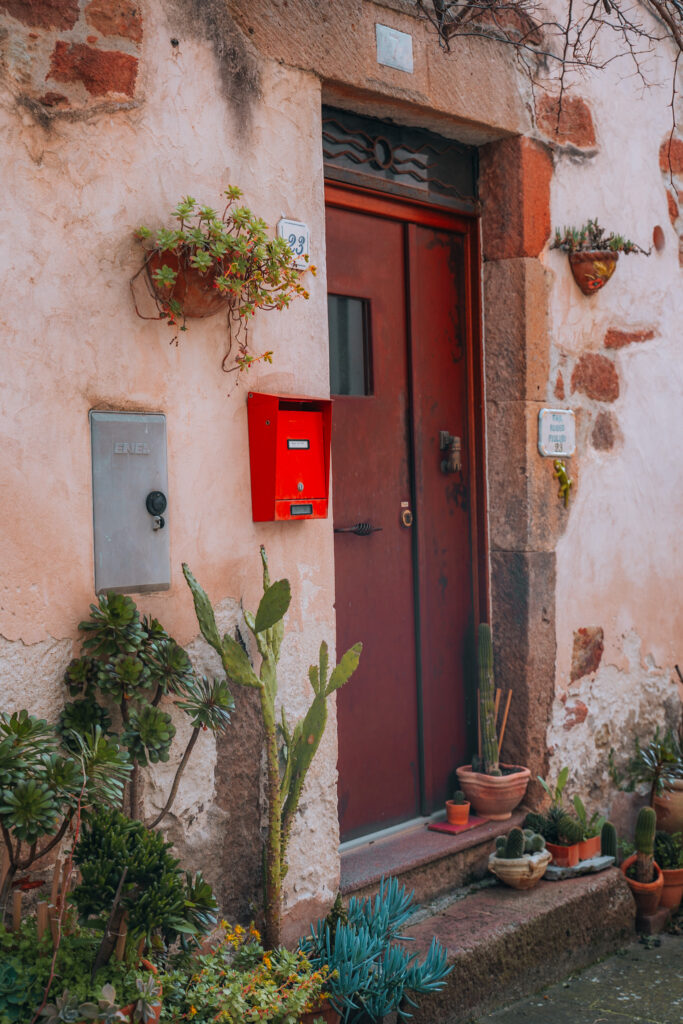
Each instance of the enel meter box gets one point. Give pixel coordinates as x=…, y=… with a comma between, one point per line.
x=289, y=456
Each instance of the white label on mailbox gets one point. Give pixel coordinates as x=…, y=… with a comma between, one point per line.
x=297, y=236
x=556, y=432
x=394, y=48
x=295, y=442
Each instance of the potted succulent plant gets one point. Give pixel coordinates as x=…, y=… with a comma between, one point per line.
x=659, y=765
x=592, y=256
x=520, y=858
x=641, y=871
x=669, y=855
x=562, y=832
x=493, y=789
x=457, y=809
x=591, y=829
x=211, y=262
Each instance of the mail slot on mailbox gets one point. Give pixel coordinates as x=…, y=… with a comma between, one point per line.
x=289, y=456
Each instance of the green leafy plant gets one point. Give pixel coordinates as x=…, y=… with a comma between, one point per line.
x=371, y=973
x=128, y=875
x=131, y=664
x=590, y=237
x=668, y=851
x=658, y=764
x=234, y=255
x=45, y=779
x=592, y=826
x=293, y=749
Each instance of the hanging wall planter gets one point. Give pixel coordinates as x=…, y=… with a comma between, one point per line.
x=211, y=263
x=592, y=255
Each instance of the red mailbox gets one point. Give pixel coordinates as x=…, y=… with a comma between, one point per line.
x=289, y=456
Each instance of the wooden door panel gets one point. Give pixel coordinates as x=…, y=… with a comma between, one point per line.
x=440, y=403
x=379, y=778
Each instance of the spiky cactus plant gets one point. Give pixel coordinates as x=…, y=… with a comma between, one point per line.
x=489, y=739
x=299, y=744
x=459, y=797
x=608, y=840
x=646, y=826
x=514, y=844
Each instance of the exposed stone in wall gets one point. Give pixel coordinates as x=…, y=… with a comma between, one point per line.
x=575, y=123
x=575, y=712
x=674, y=209
x=559, y=387
x=514, y=186
x=596, y=377
x=604, y=434
x=92, y=52
x=587, y=651
x=671, y=166
x=100, y=71
x=671, y=155
x=618, y=337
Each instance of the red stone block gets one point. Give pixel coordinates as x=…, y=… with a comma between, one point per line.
x=515, y=192
x=587, y=651
x=53, y=99
x=671, y=156
x=618, y=339
x=604, y=434
x=62, y=14
x=100, y=71
x=574, y=714
x=115, y=18
x=596, y=376
x=575, y=123
x=559, y=387
x=672, y=203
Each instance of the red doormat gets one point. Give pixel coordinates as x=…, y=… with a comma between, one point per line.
x=443, y=826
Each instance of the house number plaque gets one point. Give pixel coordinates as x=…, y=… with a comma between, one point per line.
x=297, y=237
x=556, y=432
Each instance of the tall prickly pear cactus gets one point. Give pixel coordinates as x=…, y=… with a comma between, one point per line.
x=300, y=743
x=608, y=840
x=645, y=844
x=487, y=715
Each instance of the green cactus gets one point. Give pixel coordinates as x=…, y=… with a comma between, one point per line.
x=489, y=739
x=500, y=846
x=569, y=830
x=535, y=844
x=514, y=844
x=300, y=743
x=608, y=840
x=459, y=797
x=536, y=822
x=646, y=826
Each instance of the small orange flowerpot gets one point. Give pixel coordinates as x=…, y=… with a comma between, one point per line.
x=564, y=856
x=589, y=848
x=672, y=890
x=646, y=894
x=457, y=814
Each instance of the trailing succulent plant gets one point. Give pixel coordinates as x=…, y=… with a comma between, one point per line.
x=131, y=663
x=519, y=842
x=590, y=237
x=45, y=780
x=128, y=874
x=371, y=973
x=289, y=751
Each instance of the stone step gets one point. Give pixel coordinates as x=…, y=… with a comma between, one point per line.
x=504, y=944
x=430, y=863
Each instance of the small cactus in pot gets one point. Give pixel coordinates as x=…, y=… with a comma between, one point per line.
x=457, y=809
x=520, y=858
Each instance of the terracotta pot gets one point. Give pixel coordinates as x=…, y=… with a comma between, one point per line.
x=192, y=290
x=669, y=808
x=494, y=796
x=589, y=848
x=646, y=894
x=457, y=814
x=324, y=1010
x=672, y=890
x=128, y=1012
x=592, y=270
x=522, y=872
x=564, y=856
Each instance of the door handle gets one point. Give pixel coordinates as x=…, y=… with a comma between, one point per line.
x=360, y=529
x=406, y=517
x=452, y=446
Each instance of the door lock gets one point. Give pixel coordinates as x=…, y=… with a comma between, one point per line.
x=156, y=503
x=406, y=517
x=452, y=446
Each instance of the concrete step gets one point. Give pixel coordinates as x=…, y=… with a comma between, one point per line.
x=505, y=944
x=430, y=863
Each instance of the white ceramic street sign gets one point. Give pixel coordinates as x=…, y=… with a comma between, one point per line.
x=298, y=237
x=394, y=48
x=556, y=432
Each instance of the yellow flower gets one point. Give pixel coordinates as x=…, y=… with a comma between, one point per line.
x=192, y=1011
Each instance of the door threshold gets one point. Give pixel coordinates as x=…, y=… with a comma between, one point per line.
x=393, y=830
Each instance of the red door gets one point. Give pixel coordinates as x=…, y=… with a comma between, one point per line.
x=401, y=374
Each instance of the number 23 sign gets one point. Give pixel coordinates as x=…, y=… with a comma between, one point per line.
x=296, y=235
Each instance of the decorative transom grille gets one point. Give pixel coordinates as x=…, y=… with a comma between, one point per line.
x=407, y=161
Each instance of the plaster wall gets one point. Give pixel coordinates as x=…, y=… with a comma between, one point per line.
x=620, y=558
